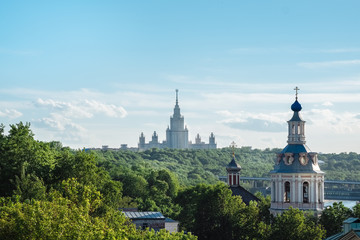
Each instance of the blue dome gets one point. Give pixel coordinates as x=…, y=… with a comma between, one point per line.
x=296, y=106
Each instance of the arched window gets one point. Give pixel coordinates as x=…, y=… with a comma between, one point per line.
x=293, y=129
x=305, y=192
x=298, y=129
x=319, y=192
x=287, y=192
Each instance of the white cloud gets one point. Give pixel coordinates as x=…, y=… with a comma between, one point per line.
x=331, y=121
x=12, y=113
x=327, y=64
x=327, y=104
x=83, y=109
x=259, y=122
x=59, y=122
x=109, y=109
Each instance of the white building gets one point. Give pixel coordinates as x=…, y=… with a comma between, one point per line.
x=297, y=180
x=177, y=135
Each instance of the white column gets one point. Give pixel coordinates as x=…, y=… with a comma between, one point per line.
x=312, y=190
x=299, y=190
x=316, y=191
x=323, y=190
x=280, y=194
x=293, y=189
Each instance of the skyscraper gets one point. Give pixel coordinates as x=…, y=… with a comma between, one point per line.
x=177, y=134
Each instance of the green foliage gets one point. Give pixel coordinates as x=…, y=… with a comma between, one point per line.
x=333, y=216
x=356, y=210
x=19, y=150
x=62, y=218
x=292, y=224
x=29, y=186
x=162, y=235
x=191, y=167
x=211, y=212
x=70, y=215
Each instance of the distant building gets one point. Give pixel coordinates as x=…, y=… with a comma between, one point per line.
x=177, y=135
x=297, y=180
x=151, y=220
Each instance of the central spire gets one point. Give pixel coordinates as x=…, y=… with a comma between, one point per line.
x=177, y=108
x=177, y=100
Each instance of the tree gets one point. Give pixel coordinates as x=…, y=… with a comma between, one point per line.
x=356, y=210
x=70, y=215
x=29, y=186
x=332, y=218
x=292, y=224
x=20, y=150
x=211, y=212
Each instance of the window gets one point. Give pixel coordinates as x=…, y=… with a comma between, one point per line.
x=287, y=192
x=305, y=192
x=144, y=226
x=319, y=192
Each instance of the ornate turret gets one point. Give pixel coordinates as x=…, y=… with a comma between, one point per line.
x=297, y=180
x=141, y=144
x=233, y=179
x=233, y=169
x=296, y=124
x=155, y=137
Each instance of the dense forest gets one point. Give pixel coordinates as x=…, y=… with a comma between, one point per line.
x=48, y=191
x=205, y=166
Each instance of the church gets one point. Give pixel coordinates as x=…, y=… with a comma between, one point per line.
x=297, y=180
x=177, y=135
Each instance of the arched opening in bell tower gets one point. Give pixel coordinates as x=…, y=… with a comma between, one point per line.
x=287, y=192
x=305, y=192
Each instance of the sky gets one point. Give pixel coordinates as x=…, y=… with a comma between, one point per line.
x=93, y=73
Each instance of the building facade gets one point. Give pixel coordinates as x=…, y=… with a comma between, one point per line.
x=297, y=180
x=177, y=135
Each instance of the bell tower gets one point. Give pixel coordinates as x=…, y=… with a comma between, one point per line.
x=297, y=180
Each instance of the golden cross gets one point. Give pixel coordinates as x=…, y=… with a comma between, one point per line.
x=233, y=146
x=296, y=89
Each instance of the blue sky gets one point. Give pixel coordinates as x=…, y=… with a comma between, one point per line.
x=92, y=73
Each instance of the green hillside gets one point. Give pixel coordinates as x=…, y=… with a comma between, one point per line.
x=204, y=166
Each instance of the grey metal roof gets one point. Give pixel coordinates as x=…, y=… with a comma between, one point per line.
x=169, y=220
x=296, y=117
x=336, y=236
x=245, y=195
x=144, y=215
x=351, y=220
x=296, y=166
x=340, y=235
x=233, y=165
x=296, y=148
